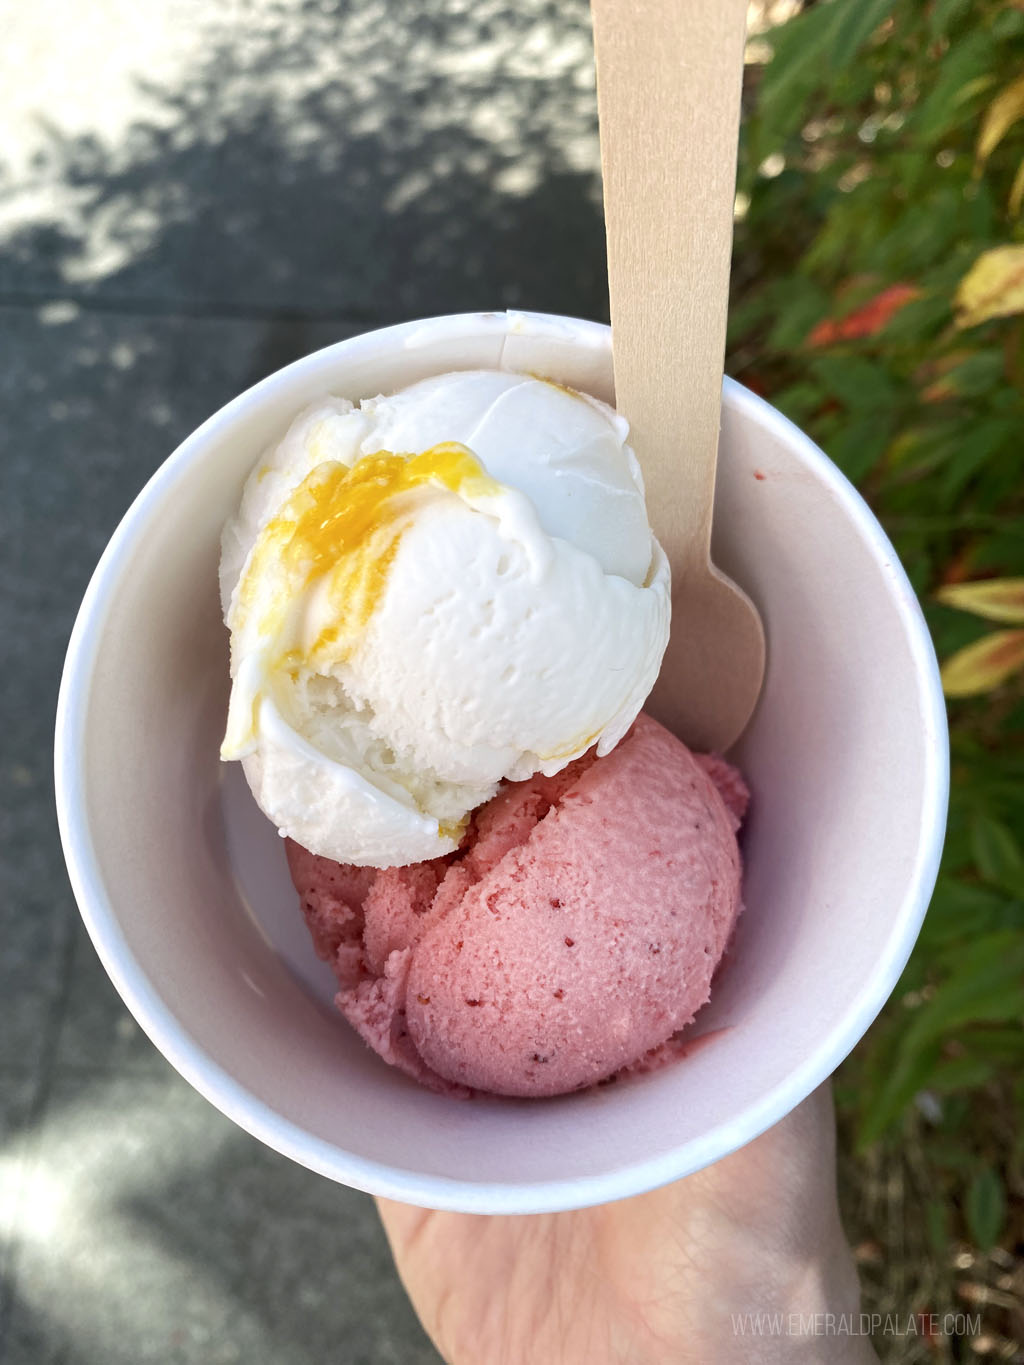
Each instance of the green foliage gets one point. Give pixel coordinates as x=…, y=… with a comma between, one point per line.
x=986, y=1207
x=867, y=203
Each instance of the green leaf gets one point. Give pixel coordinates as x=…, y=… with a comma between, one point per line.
x=1016, y=196
x=797, y=68
x=997, y=853
x=885, y=1103
x=861, y=443
x=949, y=1153
x=985, y=1207
x=986, y=984
x=855, y=21
x=944, y=14
x=1002, y=1045
x=912, y=244
x=800, y=308
x=979, y=373
x=747, y=313
x=957, y=1113
x=799, y=402
x=959, y=72
x=962, y=1073
x=960, y=911
x=1008, y=24
x=919, y=321
x=983, y=214
x=856, y=382
x=882, y=1107
x=987, y=441
x=937, y=1224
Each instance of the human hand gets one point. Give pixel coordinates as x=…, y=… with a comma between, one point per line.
x=677, y=1275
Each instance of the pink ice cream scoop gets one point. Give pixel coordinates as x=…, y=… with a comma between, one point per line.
x=575, y=931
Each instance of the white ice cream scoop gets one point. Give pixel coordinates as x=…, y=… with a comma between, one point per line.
x=428, y=594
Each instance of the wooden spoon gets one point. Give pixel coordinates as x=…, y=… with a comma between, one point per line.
x=669, y=79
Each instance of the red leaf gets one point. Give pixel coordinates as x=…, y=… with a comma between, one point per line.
x=867, y=320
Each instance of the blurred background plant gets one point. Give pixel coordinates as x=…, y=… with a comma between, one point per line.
x=879, y=301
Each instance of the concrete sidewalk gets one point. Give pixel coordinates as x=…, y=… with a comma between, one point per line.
x=190, y=197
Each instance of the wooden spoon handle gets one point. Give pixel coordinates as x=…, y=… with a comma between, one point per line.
x=669, y=75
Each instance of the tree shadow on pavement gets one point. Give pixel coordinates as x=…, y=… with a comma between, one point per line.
x=362, y=162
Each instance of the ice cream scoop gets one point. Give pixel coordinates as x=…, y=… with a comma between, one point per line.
x=577, y=929
x=428, y=594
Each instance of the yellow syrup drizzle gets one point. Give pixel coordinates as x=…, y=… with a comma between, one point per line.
x=453, y=829
x=554, y=384
x=575, y=749
x=347, y=522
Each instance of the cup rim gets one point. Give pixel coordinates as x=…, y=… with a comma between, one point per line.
x=259, y=1118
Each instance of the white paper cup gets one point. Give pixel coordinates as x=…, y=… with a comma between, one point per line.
x=183, y=886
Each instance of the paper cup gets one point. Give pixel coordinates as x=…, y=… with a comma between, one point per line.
x=183, y=886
